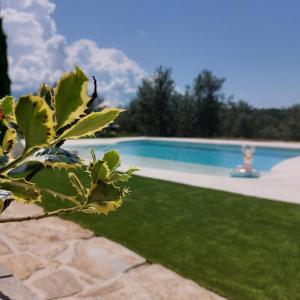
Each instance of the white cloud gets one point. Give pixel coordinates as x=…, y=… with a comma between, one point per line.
x=37, y=52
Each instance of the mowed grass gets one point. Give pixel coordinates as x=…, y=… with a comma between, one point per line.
x=240, y=247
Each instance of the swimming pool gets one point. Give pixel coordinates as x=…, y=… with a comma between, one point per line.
x=190, y=157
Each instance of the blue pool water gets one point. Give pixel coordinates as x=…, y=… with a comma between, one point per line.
x=211, y=155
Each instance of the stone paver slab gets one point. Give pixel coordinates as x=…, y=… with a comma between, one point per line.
x=150, y=282
x=4, y=248
x=58, y=259
x=58, y=284
x=21, y=265
x=13, y=288
x=47, y=230
x=97, y=261
x=169, y=285
x=49, y=250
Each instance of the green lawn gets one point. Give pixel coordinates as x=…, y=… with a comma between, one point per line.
x=240, y=247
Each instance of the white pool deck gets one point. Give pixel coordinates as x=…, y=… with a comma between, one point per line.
x=281, y=183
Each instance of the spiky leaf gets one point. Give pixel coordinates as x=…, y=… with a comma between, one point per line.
x=90, y=124
x=47, y=93
x=100, y=171
x=112, y=159
x=104, y=192
x=35, y=119
x=60, y=184
x=77, y=184
x=71, y=97
x=3, y=160
x=7, y=105
x=22, y=190
x=104, y=208
x=24, y=169
x=116, y=176
x=104, y=198
x=48, y=157
x=58, y=157
x=7, y=137
x=9, y=140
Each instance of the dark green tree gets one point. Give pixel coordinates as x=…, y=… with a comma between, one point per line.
x=153, y=108
x=4, y=78
x=206, y=93
x=185, y=114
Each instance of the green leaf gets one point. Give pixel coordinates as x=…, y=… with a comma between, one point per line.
x=104, y=198
x=9, y=140
x=71, y=97
x=49, y=157
x=22, y=190
x=24, y=169
x=35, y=119
x=3, y=160
x=104, y=192
x=7, y=104
x=7, y=137
x=76, y=183
x=57, y=157
x=113, y=159
x=60, y=184
x=100, y=171
x=116, y=176
x=104, y=208
x=90, y=124
x=47, y=93
x=94, y=158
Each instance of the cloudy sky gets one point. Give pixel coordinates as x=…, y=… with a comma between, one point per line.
x=254, y=44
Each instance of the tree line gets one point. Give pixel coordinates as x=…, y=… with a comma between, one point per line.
x=202, y=110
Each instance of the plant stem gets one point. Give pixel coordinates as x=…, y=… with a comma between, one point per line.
x=45, y=215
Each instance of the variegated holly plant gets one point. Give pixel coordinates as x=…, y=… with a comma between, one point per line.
x=44, y=171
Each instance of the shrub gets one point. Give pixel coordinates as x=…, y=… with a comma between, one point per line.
x=44, y=170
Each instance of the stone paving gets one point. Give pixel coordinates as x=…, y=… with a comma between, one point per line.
x=58, y=259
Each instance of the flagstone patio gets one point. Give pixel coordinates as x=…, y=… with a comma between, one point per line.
x=58, y=259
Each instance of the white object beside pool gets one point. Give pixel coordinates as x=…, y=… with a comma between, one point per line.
x=246, y=171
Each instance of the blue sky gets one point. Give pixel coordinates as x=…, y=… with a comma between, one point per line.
x=255, y=45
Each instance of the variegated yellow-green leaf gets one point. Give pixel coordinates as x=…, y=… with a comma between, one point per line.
x=9, y=140
x=77, y=184
x=7, y=105
x=90, y=124
x=35, y=119
x=47, y=93
x=100, y=171
x=70, y=97
x=104, y=208
x=3, y=159
x=105, y=197
x=116, y=176
x=60, y=184
x=24, y=169
x=57, y=158
x=22, y=190
x=7, y=137
x=48, y=157
x=113, y=159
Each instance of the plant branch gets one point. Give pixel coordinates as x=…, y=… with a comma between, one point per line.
x=45, y=215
